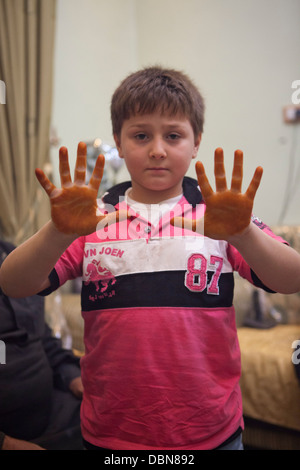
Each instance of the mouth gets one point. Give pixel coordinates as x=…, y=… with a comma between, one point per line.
x=157, y=168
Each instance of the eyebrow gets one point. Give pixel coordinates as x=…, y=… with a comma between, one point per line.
x=138, y=125
x=172, y=125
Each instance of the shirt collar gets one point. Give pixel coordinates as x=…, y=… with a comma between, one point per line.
x=190, y=188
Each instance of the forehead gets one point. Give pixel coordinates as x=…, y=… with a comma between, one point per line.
x=157, y=119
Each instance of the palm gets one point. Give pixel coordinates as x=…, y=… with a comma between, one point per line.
x=226, y=214
x=228, y=211
x=74, y=206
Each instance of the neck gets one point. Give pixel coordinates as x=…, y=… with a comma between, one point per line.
x=153, y=197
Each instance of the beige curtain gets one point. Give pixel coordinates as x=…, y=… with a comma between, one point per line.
x=26, y=61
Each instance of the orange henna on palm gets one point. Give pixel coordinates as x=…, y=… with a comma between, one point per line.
x=74, y=206
x=228, y=211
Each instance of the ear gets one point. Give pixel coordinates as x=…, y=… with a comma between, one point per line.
x=197, y=144
x=118, y=145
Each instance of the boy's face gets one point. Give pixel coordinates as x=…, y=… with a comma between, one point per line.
x=157, y=150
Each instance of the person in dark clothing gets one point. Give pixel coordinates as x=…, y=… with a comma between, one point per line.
x=40, y=383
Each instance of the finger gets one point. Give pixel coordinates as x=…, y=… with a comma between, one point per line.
x=44, y=181
x=112, y=218
x=80, y=167
x=237, y=173
x=97, y=173
x=254, y=184
x=188, y=224
x=205, y=187
x=220, y=174
x=183, y=222
x=64, y=169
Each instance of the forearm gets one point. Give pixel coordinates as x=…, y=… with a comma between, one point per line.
x=25, y=271
x=10, y=443
x=275, y=264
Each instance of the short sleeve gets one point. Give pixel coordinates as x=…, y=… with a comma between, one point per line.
x=239, y=264
x=69, y=266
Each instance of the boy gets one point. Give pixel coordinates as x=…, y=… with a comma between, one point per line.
x=162, y=363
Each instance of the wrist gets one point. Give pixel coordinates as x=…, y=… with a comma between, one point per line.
x=65, y=238
x=239, y=239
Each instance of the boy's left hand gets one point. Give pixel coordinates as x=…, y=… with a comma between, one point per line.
x=228, y=211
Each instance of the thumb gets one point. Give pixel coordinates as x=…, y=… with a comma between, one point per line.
x=189, y=224
x=112, y=218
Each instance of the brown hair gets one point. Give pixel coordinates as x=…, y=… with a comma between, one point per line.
x=155, y=88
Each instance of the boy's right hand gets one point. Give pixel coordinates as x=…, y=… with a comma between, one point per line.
x=74, y=206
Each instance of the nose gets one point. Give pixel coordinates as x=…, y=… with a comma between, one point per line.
x=157, y=150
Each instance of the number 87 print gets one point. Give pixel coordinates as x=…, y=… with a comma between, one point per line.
x=196, y=275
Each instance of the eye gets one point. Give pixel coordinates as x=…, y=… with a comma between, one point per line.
x=141, y=136
x=173, y=136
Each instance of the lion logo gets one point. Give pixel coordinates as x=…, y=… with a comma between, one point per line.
x=99, y=275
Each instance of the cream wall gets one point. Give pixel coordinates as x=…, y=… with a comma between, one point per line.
x=95, y=48
x=243, y=55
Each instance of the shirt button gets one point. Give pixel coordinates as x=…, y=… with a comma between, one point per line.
x=147, y=229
